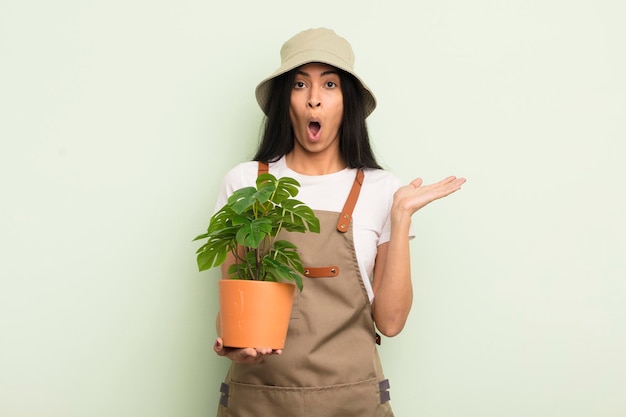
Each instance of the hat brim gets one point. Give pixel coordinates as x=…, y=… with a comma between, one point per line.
x=262, y=90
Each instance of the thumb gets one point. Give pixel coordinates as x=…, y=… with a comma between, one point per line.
x=218, y=347
x=417, y=182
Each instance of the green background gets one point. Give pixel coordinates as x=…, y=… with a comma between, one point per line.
x=118, y=120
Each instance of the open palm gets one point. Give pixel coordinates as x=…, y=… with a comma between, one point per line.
x=416, y=195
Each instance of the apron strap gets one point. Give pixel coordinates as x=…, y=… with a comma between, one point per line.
x=348, y=208
x=264, y=168
x=321, y=272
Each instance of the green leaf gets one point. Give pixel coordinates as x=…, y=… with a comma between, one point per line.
x=278, y=272
x=224, y=231
x=252, y=233
x=297, y=213
x=264, y=179
x=247, y=269
x=266, y=185
x=239, y=220
x=242, y=199
x=213, y=253
x=284, y=263
x=285, y=188
x=221, y=219
x=200, y=237
x=286, y=253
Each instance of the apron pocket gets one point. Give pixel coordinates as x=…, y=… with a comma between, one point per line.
x=360, y=399
x=245, y=400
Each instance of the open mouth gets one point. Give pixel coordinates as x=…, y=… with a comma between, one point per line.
x=314, y=128
x=314, y=131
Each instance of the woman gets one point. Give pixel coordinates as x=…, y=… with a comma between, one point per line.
x=315, y=132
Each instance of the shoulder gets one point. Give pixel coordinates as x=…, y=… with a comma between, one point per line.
x=381, y=180
x=241, y=175
x=377, y=191
x=245, y=174
x=379, y=187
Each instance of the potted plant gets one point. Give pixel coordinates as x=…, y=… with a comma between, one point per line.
x=266, y=268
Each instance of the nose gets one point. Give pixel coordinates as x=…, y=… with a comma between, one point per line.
x=314, y=103
x=313, y=100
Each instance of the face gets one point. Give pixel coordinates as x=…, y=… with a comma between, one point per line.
x=316, y=109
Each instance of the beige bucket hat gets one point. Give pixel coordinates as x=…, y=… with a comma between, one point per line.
x=315, y=45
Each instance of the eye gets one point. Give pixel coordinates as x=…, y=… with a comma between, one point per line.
x=331, y=84
x=298, y=84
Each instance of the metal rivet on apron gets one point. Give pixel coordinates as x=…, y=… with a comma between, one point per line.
x=383, y=386
x=224, y=389
x=343, y=226
x=306, y=272
x=334, y=271
x=345, y=216
x=385, y=397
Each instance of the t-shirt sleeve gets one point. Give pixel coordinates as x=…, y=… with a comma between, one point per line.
x=238, y=177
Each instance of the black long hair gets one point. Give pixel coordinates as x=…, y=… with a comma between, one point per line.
x=277, y=137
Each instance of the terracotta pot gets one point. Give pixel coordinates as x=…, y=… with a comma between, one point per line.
x=255, y=313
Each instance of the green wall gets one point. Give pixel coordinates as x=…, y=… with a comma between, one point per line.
x=119, y=118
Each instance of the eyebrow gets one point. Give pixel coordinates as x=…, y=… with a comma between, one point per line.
x=327, y=72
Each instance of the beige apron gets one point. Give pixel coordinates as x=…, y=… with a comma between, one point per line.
x=329, y=366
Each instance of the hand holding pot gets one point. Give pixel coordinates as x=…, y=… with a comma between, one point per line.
x=245, y=355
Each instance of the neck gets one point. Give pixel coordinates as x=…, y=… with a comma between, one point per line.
x=315, y=164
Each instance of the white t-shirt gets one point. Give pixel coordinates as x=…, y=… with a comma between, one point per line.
x=371, y=224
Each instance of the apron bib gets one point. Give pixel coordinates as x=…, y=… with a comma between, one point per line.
x=329, y=366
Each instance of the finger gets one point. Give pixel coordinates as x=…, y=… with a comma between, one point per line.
x=417, y=182
x=218, y=347
x=264, y=351
x=455, y=184
x=247, y=353
x=445, y=181
x=250, y=355
x=448, y=184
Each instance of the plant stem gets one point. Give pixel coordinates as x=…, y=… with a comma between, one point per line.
x=248, y=265
x=238, y=259
x=280, y=226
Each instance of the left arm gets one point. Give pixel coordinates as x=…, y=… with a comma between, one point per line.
x=393, y=290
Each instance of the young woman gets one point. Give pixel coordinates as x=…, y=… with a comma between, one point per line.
x=315, y=132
